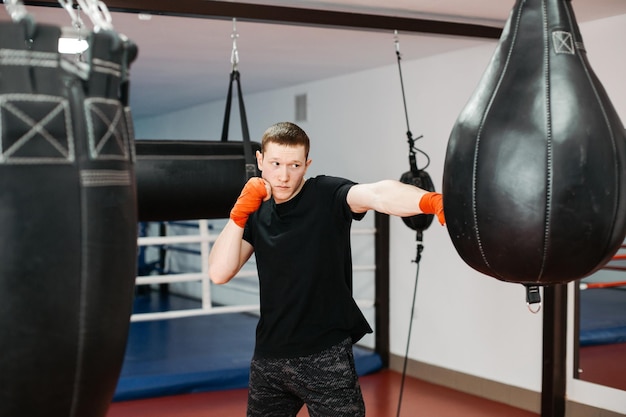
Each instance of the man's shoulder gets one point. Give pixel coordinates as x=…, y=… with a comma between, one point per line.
x=335, y=188
x=330, y=180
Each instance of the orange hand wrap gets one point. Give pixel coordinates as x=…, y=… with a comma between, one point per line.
x=432, y=203
x=249, y=201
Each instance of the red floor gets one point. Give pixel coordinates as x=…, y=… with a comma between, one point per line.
x=604, y=365
x=380, y=390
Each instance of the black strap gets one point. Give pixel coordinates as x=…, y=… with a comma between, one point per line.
x=251, y=167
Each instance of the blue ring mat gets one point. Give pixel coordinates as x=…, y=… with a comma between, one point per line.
x=602, y=316
x=194, y=354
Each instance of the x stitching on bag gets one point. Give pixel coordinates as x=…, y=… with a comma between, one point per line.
x=114, y=131
x=36, y=128
x=563, y=42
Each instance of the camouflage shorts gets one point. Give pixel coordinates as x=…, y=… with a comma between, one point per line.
x=326, y=382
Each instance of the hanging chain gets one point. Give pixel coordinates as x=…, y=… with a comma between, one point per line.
x=98, y=13
x=15, y=9
x=234, y=56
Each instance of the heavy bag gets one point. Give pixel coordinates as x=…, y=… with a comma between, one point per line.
x=189, y=179
x=68, y=238
x=535, y=174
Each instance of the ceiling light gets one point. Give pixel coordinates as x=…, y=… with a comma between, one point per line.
x=73, y=40
x=72, y=45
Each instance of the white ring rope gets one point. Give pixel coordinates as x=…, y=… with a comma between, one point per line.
x=204, y=239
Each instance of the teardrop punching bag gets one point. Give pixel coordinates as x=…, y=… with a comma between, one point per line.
x=68, y=231
x=535, y=171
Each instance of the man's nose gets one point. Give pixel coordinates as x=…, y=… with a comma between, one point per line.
x=283, y=173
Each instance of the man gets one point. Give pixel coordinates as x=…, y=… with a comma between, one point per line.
x=299, y=230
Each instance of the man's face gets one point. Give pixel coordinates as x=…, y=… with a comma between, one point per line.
x=284, y=168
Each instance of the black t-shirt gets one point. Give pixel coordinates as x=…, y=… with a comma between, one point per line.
x=304, y=263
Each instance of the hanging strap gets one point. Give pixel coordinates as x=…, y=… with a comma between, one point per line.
x=251, y=167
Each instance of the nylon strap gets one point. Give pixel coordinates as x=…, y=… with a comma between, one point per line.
x=251, y=167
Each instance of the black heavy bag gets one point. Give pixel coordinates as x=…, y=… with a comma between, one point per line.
x=68, y=214
x=185, y=179
x=535, y=168
x=189, y=179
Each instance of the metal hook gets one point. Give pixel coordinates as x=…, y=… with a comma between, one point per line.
x=68, y=5
x=98, y=14
x=396, y=40
x=18, y=13
x=234, y=56
x=87, y=7
x=16, y=9
x=534, y=310
x=104, y=15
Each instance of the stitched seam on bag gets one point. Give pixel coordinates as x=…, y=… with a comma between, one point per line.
x=104, y=178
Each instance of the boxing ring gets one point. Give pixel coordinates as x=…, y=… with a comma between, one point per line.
x=189, y=335
x=603, y=304
x=601, y=325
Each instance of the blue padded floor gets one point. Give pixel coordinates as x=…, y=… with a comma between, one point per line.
x=603, y=316
x=194, y=354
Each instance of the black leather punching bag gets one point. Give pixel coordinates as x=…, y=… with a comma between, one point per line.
x=68, y=219
x=535, y=171
x=189, y=179
x=196, y=179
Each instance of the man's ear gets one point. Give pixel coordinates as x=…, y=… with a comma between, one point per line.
x=259, y=160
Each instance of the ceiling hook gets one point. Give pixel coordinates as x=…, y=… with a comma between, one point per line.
x=77, y=22
x=15, y=9
x=396, y=40
x=105, y=16
x=18, y=13
x=98, y=14
x=234, y=56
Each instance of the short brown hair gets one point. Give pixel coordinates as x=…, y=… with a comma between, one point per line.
x=286, y=133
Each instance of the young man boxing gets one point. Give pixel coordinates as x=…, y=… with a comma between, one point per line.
x=299, y=230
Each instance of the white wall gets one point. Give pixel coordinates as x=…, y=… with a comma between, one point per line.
x=465, y=321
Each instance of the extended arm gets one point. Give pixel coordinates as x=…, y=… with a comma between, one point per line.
x=395, y=198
